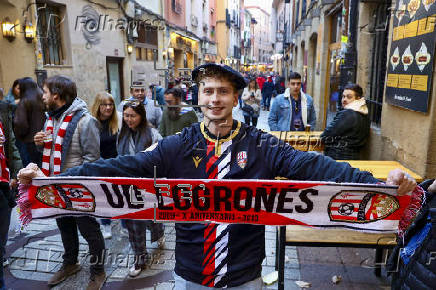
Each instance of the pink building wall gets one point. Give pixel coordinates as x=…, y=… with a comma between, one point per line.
x=174, y=17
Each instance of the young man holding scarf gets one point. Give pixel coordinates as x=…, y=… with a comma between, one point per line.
x=10, y=163
x=71, y=138
x=223, y=255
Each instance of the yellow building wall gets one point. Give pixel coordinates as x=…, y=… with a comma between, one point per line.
x=221, y=31
x=17, y=58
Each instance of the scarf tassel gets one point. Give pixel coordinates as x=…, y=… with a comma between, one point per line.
x=411, y=211
x=24, y=204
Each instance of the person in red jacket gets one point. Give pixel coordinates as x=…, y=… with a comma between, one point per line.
x=260, y=81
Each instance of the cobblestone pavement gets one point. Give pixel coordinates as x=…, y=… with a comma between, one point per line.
x=36, y=254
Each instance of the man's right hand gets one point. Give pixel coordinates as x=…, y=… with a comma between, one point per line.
x=39, y=138
x=26, y=175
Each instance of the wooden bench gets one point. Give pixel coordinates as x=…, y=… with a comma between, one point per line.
x=310, y=237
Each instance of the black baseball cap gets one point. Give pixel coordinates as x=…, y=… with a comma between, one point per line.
x=238, y=78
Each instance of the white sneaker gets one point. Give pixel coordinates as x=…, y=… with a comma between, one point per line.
x=135, y=270
x=107, y=231
x=5, y=262
x=161, y=242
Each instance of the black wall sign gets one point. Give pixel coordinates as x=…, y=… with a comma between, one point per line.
x=410, y=68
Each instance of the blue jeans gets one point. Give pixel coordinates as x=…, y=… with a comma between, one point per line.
x=240, y=101
x=5, y=219
x=267, y=101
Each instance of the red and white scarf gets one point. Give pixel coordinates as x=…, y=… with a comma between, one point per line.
x=3, y=161
x=48, y=146
x=364, y=207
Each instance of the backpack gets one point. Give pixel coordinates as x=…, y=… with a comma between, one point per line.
x=420, y=270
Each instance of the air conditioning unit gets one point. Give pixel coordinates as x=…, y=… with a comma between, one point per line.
x=194, y=20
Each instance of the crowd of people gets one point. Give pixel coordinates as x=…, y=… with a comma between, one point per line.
x=56, y=131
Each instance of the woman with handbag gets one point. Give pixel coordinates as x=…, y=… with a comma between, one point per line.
x=251, y=98
x=136, y=135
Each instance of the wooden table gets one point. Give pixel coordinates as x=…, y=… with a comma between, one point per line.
x=380, y=169
x=310, y=237
x=300, y=140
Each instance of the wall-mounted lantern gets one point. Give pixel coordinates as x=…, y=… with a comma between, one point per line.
x=29, y=32
x=129, y=48
x=8, y=29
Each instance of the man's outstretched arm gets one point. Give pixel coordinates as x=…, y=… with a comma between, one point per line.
x=140, y=165
x=287, y=162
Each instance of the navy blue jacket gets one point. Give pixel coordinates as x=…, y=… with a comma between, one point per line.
x=268, y=89
x=237, y=250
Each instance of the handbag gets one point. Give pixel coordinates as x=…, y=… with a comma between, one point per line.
x=247, y=108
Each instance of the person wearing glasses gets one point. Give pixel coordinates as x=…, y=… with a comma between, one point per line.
x=348, y=133
x=293, y=110
x=104, y=111
x=154, y=112
x=136, y=135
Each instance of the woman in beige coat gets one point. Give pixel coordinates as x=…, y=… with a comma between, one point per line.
x=251, y=98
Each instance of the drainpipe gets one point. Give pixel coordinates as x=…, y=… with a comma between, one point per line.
x=349, y=66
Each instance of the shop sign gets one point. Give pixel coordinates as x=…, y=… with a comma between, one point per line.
x=410, y=63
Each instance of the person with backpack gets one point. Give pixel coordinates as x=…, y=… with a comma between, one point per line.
x=412, y=263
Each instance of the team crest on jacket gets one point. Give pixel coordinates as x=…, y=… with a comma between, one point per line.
x=67, y=196
x=361, y=206
x=242, y=159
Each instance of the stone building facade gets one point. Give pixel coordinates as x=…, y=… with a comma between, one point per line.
x=325, y=51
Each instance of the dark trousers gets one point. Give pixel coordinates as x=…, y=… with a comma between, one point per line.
x=137, y=237
x=34, y=155
x=21, y=146
x=253, y=120
x=90, y=230
x=5, y=219
x=267, y=101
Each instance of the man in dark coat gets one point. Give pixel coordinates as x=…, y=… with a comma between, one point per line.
x=9, y=159
x=346, y=135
